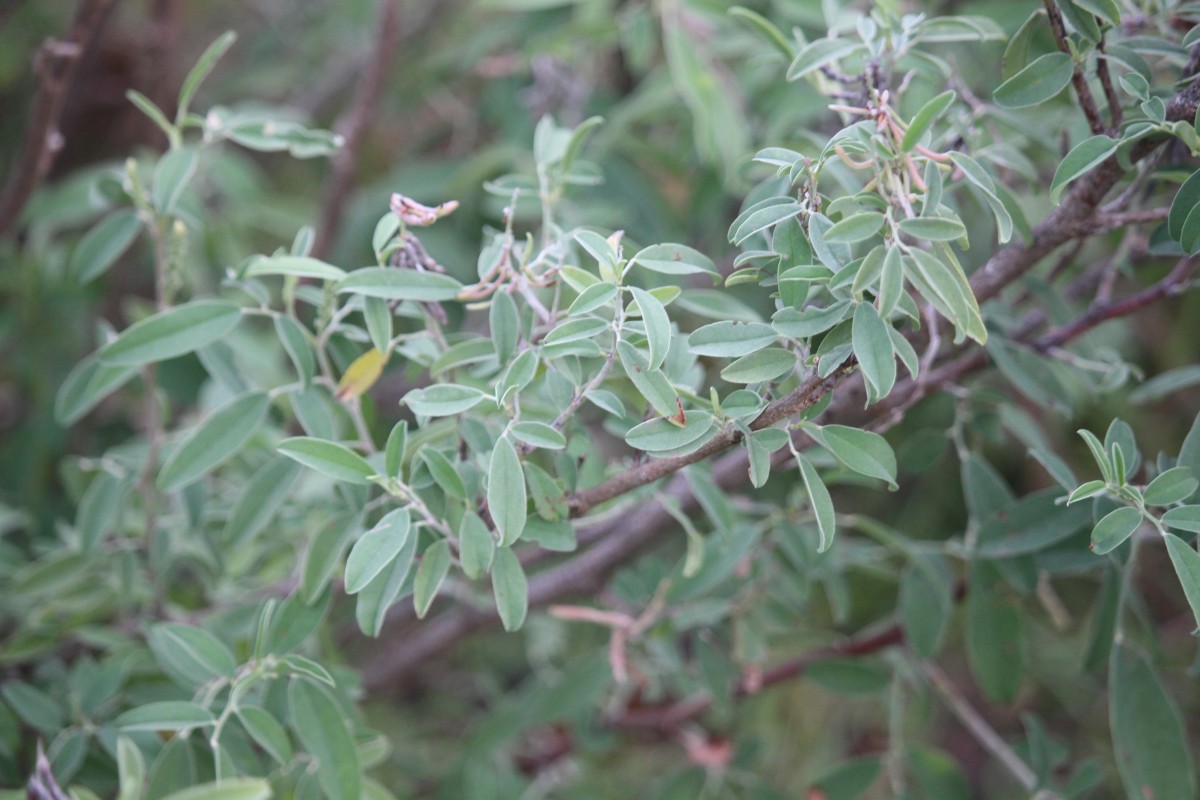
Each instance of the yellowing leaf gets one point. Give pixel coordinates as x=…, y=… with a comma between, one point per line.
x=361, y=375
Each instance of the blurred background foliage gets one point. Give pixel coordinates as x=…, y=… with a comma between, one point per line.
x=688, y=95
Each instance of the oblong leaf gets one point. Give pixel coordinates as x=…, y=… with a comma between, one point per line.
x=321, y=728
x=730, y=339
x=104, y=244
x=393, y=283
x=510, y=588
x=1079, y=161
x=329, y=458
x=674, y=259
x=435, y=565
x=506, y=492
x=1043, y=78
x=214, y=441
x=924, y=118
x=376, y=549
x=443, y=399
x=171, y=333
x=296, y=266
x=168, y=715
x=1114, y=528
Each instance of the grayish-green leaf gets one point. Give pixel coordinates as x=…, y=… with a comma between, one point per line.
x=510, y=589
x=820, y=502
x=104, y=244
x=435, y=564
x=1114, y=528
x=392, y=283
x=325, y=734
x=171, y=333
x=506, y=492
x=214, y=441
x=296, y=266
x=329, y=458
x=376, y=548
x=1045, y=77
x=657, y=323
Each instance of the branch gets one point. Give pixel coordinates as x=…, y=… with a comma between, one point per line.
x=1110, y=93
x=55, y=64
x=588, y=570
x=354, y=125
x=1082, y=90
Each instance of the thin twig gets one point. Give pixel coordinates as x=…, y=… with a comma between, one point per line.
x=354, y=125
x=974, y=722
x=1115, y=112
x=56, y=65
x=1086, y=101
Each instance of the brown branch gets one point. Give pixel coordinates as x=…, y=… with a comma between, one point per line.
x=55, y=64
x=1086, y=101
x=1115, y=113
x=354, y=125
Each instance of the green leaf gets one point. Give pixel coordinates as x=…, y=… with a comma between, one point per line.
x=763, y=365
x=506, y=492
x=1186, y=561
x=538, y=434
x=295, y=342
x=36, y=708
x=873, y=349
x=104, y=244
x=435, y=565
x=658, y=325
x=191, y=652
x=444, y=472
x=924, y=603
x=171, y=333
x=811, y=321
x=373, y=602
x=855, y=228
x=663, y=434
x=1149, y=739
x=393, y=283
x=510, y=588
x=171, y=176
x=1045, y=77
x=295, y=621
x=1183, y=518
x=323, y=553
x=1086, y=491
x=1082, y=158
x=475, y=544
x=375, y=549
x=266, y=732
x=1173, y=486
x=924, y=118
x=329, y=458
x=591, y=298
x=214, y=441
x=168, y=715
x=976, y=174
x=319, y=725
x=443, y=399
x=131, y=769
x=201, y=70
x=262, y=496
x=85, y=386
x=1114, y=528
x=946, y=287
x=99, y=509
x=393, y=451
x=730, y=339
x=575, y=330
x=818, y=54
x=934, y=229
x=1186, y=199
x=674, y=259
x=821, y=503
x=994, y=632
x=505, y=326
x=861, y=451
x=651, y=384
x=295, y=266
x=227, y=789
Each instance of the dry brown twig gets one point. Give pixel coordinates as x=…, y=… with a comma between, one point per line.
x=56, y=64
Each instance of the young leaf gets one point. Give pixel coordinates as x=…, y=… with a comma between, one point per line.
x=214, y=441
x=443, y=399
x=374, y=551
x=674, y=259
x=171, y=176
x=510, y=588
x=506, y=492
x=200, y=71
x=1045, y=77
x=820, y=53
x=505, y=325
x=1183, y=518
x=819, y=500
x=329, y=458
x=295, y=342
x=435, y=564
x=171, y=333
x=266, y=732
x=924, y=118
x=394, y=449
